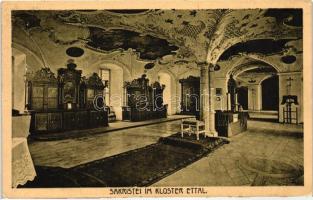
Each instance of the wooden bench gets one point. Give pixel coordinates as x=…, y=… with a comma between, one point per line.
x=192, y=126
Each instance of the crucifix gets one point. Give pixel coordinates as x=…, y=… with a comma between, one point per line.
x=289, y=85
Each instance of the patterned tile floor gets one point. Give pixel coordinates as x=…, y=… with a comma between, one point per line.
x=253, y=157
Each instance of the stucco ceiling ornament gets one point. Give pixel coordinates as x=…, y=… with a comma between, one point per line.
x=247, y=25
x=59, y=33
x=199, y=34
x=26, y=20
x=239, y=63
x=64, y=34
x=178, y=27
x=294, y=47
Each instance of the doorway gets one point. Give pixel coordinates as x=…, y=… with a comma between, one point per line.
x=165, y=79
x=243, y=97
x=270, y=98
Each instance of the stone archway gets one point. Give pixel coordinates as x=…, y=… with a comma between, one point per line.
x=250, y=73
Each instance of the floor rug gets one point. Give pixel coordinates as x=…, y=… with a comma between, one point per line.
x=139, y=167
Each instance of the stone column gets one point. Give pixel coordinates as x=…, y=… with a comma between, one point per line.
x=211, y=104
x=207, y=113
x=204, y=95
x=228, y=101
x=259, y=97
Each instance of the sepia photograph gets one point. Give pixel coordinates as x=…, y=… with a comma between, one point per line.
x=157, y=101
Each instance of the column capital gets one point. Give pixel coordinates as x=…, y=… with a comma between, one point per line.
x=202, y=64
x=205, y=64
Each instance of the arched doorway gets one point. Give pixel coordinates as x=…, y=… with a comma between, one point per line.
x=243, y=97
x=270, y=93
x=165, y=79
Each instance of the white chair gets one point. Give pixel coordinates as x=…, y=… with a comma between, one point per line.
x=192, y=126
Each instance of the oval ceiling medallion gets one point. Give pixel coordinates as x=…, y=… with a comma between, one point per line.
x=217, y=68
x=288, y=59
x=75, y=51
x=149, y=65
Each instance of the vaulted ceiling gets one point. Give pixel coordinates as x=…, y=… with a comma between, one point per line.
x=184, y=36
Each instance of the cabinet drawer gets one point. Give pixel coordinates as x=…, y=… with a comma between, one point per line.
x=82, y=119
x=54, y=121
x=69, y=120
x=41, y=121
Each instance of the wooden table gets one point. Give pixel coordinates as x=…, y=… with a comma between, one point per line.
x=192, y=126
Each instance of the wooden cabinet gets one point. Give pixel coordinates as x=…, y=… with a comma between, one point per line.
x=69, y=85
x=81, y=119
x=230, y=123
x=43, y=90
x=40, y=121
x=60, y=120
x=65, y=103
x=54, y=121
x=82, y=96
x=142, y=115
x=98, y=118
x=46, y=121
x=144, y=101
x=126, y=110
x=69, y=120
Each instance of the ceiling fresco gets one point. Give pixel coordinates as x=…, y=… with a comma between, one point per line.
x=291, y=17
x=149, y=47
x=173, y=37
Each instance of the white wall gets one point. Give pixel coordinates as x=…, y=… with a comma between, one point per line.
x=221, y=102
x=18, y=80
